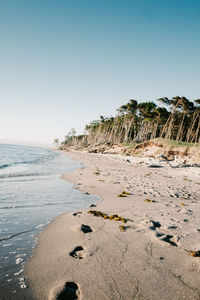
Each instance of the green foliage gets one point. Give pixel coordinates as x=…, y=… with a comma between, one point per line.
x=176, y=120
x=176, y=143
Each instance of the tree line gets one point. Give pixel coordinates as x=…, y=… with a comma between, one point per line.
x=177, y=118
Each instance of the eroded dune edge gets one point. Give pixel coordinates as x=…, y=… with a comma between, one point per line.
x=140, y=242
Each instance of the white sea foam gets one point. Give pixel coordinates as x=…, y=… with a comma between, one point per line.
x=22, y=254
x=39, y=226
x=18, y=273
x=6, y=245
x=22, y=283
x=18, y=260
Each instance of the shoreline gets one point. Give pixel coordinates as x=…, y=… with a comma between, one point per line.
x=147, y=258
x=53, y=197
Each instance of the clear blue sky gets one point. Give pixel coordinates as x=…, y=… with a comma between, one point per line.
x=64, y=63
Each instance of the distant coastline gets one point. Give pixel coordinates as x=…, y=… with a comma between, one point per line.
x=25, y=143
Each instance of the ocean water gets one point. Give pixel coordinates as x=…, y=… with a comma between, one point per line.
x=32, y=194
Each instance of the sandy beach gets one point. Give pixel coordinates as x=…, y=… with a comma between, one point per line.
x=140, y=241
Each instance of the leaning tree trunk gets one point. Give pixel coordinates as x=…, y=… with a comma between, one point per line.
x=155, y=128
x=170, y=127
x=193, y=122
x=122, y=129
x=112, y=133
x=127, y=133
x=180, y=133
x=197, y=132
x=165, y=127
x=171, y=122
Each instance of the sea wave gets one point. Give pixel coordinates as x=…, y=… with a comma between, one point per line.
x=21, y=175
x=4, y=166
x=12, y=235
x=36, y=205
x=29, y=162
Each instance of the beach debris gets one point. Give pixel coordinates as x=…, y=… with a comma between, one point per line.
x=92, y=186
x=185, y=178
x=97, y=213
x=102, y=180
x=149, y=200
x=96, y=173
x=92, y=205
x=86, y=193
x=182, y=204
x=86, y=228
x=195, y=253
x=124, y=194
x=155, y=166
x=123, y=228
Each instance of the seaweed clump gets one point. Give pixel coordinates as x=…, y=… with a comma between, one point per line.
x=117, y=218
x=149, y=200
x=122, y=228
x=195, y=253
x=96, y=173
x=124, y=194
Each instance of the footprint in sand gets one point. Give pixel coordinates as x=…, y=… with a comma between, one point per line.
x=77, y=214
x=169, y=239
x=86, y=228
x=163, y=236
x=81, y=228
x=155, y=225
x=69, y=291
x=78, y=253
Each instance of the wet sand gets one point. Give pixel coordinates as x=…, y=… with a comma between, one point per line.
x=146, y=254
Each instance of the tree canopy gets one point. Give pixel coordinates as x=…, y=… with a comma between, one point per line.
x=177, y=118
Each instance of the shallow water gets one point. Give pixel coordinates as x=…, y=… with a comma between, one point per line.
x=32, y=194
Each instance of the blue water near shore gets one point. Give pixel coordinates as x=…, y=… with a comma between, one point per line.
x=32, y=194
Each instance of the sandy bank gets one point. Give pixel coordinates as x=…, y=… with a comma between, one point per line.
x=149, y=258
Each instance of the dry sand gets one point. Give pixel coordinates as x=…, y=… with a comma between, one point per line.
x=91, y=258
